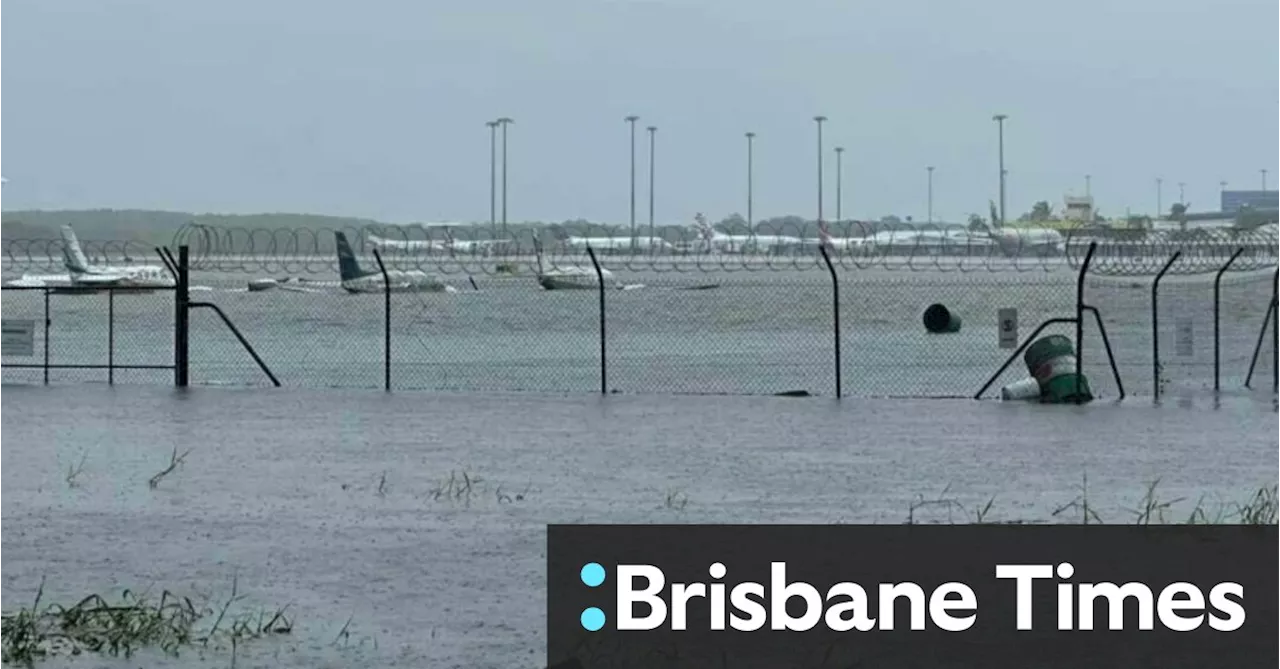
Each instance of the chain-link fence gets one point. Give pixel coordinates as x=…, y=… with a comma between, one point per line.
x=714, y=313
x=70, y=334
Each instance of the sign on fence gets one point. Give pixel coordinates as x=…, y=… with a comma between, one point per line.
x=1183, y=341
x=17, y=337
x=1008, y=331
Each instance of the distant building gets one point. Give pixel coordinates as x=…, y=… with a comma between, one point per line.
x=1234, y=200
x=1078, y=208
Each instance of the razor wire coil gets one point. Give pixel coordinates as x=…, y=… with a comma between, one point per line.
x=907, y=248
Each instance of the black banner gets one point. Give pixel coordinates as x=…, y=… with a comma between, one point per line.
x=912, y=596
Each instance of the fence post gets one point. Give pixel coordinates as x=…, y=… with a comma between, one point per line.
x=386, y=321
x=111, y=336
x=47, y=322
x=181, y=330
x=835, y=314
x=1155, y=324
x=1084, y=269
x=604, y=355
x=1217, y=286
x=1267, y=319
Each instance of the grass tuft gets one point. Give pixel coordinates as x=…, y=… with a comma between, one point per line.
x=1261, y=508
x=132, y=623
x=458, y=488
x=174, y=461
x=74, y=471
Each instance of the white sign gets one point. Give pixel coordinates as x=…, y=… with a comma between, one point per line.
x=17, y=337
x=1183, y=340
x=1008, y=327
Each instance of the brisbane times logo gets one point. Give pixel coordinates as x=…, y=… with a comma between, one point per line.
x=1054, y=597
x=646, y=601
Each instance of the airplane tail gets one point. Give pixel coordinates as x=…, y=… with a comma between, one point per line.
x=72, y=255
x=348, y=266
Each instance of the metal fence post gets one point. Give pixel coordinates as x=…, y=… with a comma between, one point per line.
x=1268, y=320
x=1155, y=324
x=181, y=330
x=111, y=336
x=604, y=354
x=835, y=315
x=1084, y=269
x=47, y=322
x=1217, y=299
x=386, y=321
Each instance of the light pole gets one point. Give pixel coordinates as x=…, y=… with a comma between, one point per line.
x=1182, y=193
x=751, y=136
x=930, y=170
x=632, y=120
x=839, y=181
x=1222, y=192
x=819, y=120
x=999, y=119
x=1264, y=180
x=504, y=122
x=493, y=178
x=1088, y=187
x=1159, y=197
x=653, y=131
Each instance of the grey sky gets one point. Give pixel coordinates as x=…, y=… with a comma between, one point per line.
x=377, y=108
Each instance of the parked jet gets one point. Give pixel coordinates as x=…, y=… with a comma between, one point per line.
x=357, y=280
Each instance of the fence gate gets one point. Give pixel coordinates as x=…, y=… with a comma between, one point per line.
x=114, y=335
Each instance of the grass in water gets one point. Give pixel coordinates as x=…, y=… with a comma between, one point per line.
x=1261, y=508
x=135, y=621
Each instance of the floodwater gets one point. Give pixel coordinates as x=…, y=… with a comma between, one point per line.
x=337, y=502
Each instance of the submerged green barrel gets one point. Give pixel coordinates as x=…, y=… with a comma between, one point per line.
x=938, y=319
x=1052, y=361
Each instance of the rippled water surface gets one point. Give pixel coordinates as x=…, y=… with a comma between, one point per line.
x=337, y=502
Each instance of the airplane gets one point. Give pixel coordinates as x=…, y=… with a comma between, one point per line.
x=616, y=243
x=83, y=274
x=567, y=278
x=448, y=245
x=934, y=240
x=357, y=280
x=839, y=245
x=718, y=241
x=383, y=243
x=469, y=246
x=1014, y=240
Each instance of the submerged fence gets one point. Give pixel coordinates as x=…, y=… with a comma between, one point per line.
x=846, y=322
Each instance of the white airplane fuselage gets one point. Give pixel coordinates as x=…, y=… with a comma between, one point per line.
x=617, y=244
x=750, y=243
x=83, y=274
x=407, y=281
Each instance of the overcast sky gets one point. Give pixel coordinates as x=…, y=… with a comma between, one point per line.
x=377, y=107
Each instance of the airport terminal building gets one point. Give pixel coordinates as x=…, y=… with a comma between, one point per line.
x=1234, y=200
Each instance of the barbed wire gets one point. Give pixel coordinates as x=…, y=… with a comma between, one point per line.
x=902, y=247
x=1201, y=251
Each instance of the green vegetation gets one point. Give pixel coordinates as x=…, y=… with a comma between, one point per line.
x=1261, y=508
x=132, y=623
